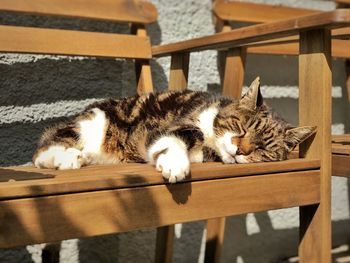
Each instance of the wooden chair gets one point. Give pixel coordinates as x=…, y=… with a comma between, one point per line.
x=228, y=12
x=314, y=50
x=235, y=11
x=42, y=205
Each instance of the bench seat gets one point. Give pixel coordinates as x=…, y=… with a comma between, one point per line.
x=43, y=205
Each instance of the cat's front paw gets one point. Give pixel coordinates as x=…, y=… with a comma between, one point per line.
x=169, y=154
x=173, y=165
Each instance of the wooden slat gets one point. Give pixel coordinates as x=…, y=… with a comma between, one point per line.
x=66, y=42
x=340, y=165
x=257, y=13
x=315, y=97
x=53, y=218
x=341, y=148
x=93, y=178
x=340, y=49
x=114, y=10
x=178, y=79
x=341, y=138
x=256, y=33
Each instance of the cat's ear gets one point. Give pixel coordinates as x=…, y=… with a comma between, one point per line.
x=253, y=98
x=297, y=135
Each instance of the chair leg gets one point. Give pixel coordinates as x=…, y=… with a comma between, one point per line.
x=315, y=82
x=215, y=239
x=347, y=68
x=178, y=80
x=164, y=245
x=142, y=68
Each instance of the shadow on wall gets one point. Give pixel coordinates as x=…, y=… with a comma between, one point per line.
x=36, y=91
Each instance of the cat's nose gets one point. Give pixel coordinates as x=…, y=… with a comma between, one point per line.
x=239, y=152
x=244, y=150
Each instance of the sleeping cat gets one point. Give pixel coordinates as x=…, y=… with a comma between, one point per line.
x=170, y=130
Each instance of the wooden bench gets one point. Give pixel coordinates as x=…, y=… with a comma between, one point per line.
x=226, y=11
x=47, y=205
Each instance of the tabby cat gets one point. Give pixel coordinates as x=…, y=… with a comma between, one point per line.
x=170, y=130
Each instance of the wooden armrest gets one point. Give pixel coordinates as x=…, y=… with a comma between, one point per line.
x=257, y=13
x=256, y=33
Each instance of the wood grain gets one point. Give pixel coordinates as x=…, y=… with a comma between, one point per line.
x=315, y=83
x=178, y=78
x=59, y=217
x=114, y=10
x=67, y=42
x=20, y=182
x=256, y=33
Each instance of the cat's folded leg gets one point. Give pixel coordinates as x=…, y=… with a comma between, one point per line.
x=59, y=157
x=170, y=156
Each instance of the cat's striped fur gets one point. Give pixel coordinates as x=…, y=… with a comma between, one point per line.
x=170, y=130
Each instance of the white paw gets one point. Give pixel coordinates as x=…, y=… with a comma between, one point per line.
x=226, y=148
x=171, y=158
x=241, y=159
x=173, y=165
x=59, y=157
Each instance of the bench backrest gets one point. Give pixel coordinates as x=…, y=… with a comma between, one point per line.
x=137, y=13
x=70, y=42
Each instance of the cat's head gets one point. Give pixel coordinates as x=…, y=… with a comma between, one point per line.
x=266, y=136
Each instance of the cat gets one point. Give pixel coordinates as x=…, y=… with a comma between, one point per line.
x=170, y=130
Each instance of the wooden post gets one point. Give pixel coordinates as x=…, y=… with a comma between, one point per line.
x=178, y=78
x=164, y=246
x=315, y=83
x=347, y=72
x=231, y=64
x=234, y=72
x=142, y=67
x=214, y=240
